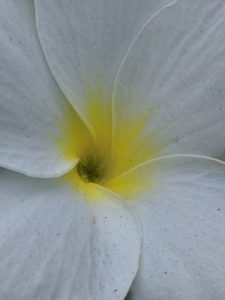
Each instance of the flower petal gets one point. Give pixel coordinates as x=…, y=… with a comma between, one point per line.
x=31, y=104
x=53, y=245
x=175, y=71
x=183, y=221
x=84, y=42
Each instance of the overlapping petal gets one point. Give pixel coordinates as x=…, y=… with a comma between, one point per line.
x=84, y=41
x=31, y=104
x=183, y=221
x=53, y=245
x=174, y=70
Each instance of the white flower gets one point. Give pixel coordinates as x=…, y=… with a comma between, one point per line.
x=109, y=113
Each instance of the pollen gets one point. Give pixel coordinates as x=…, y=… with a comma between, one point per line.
x=91, y=168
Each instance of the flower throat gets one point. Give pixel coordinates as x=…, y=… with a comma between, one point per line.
x=91, y=168
x=106, y=149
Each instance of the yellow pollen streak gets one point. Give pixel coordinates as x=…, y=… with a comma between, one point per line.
x=74, y=138
x=131, y=146
x=98, y=110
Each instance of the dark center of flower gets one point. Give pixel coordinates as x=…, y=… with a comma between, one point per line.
x=91, y=168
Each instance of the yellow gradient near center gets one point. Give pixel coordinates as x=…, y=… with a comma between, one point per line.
x=105, y=155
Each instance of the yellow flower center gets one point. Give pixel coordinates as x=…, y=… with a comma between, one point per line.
x=103, y=155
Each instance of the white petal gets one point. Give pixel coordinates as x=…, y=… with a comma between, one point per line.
x=53, y=245
x=84, y=41
x=31, y=104
x=183, y=221
x=175, y=70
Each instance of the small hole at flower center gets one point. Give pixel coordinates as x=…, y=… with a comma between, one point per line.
x=91, y=168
